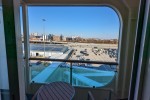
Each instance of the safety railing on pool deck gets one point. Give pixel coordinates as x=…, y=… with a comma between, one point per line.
x=75, y=61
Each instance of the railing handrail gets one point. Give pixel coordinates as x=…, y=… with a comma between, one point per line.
x=75, y=61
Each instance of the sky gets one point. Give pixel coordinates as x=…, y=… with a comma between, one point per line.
x=86, y=22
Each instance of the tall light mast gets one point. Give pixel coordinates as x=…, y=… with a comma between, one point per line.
x=44, y=34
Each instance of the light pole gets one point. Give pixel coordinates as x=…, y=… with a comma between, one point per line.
x=44, y=35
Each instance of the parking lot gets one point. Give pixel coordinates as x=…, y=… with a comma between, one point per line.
x=94, y=52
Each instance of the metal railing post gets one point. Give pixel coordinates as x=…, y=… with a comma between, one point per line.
x=71, y=73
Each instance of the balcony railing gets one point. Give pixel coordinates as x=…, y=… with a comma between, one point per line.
x=76, y=72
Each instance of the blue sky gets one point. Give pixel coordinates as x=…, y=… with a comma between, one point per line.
x=87, y=22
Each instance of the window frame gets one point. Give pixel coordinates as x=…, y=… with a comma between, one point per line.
x=29, y=84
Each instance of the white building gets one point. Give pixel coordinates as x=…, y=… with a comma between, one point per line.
x=49, y=51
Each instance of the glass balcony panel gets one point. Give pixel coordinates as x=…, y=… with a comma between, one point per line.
x=48, y=71
x=92, y=75
x=77, y=74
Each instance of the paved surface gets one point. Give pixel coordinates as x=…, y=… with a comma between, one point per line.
x=92, y=56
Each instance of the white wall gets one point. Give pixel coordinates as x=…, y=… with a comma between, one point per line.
x=3, y=62
x=47, y=54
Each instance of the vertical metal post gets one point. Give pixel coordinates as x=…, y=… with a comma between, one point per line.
x=71, y=73
x=26, y=45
